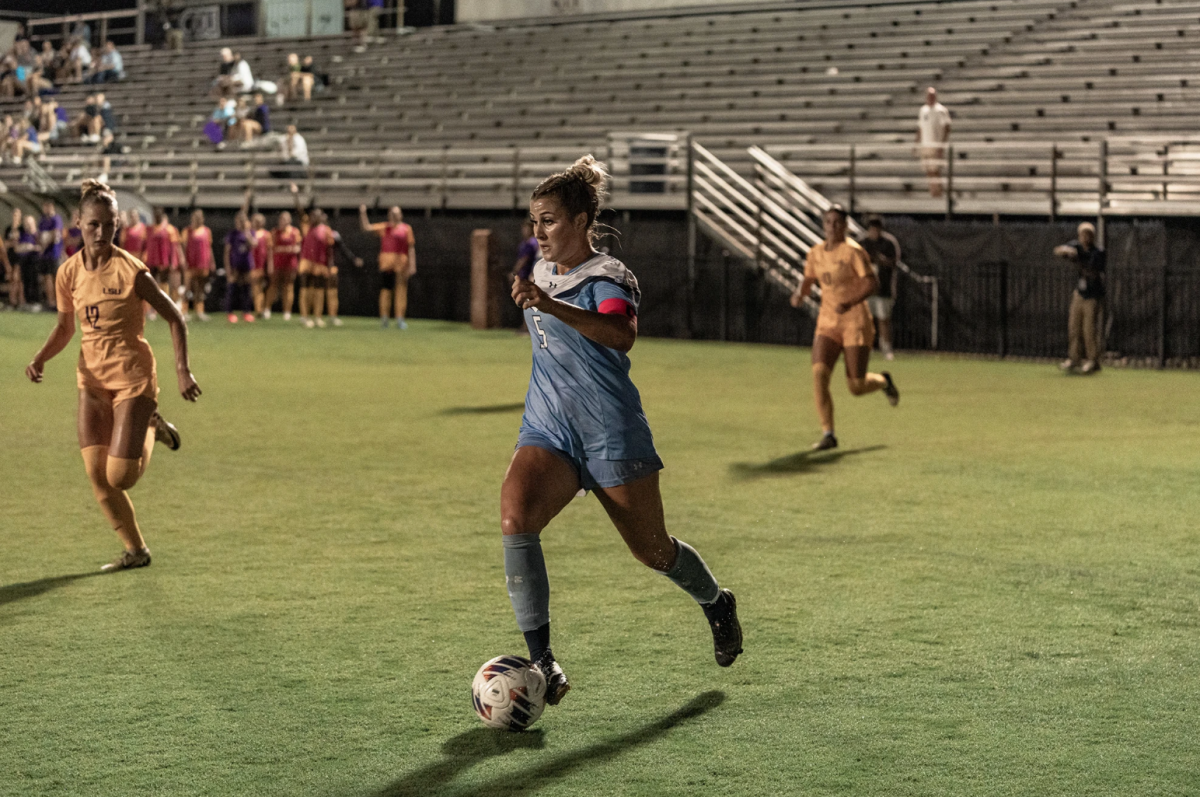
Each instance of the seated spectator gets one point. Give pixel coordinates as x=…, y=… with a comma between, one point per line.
x=52, y=62
x=97, y=115
x=111, y=67
x=299, y=79
x=252, y=120
x=8, y=76
x=52, y=120
x=294, y=150
x=241, y=78
x=21, y=139
x=80, y=60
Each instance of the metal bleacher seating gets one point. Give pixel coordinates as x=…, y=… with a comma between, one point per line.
x=473, y=116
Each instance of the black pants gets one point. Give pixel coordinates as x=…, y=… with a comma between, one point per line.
x=29, y=276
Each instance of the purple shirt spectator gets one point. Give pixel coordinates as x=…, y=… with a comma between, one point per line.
x=52, y=224
x=238, y=244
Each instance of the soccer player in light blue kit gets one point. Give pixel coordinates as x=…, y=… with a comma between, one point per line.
x=583, y=425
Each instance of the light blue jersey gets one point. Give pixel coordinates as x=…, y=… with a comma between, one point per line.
x=581, y=399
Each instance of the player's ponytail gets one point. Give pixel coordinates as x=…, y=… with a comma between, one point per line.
x=579, y=189
x=96, y=192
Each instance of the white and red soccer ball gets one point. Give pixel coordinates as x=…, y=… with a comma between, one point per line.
x=509, y=693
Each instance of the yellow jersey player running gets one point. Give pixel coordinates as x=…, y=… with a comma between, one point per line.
x=843, y=270
x=118, y=386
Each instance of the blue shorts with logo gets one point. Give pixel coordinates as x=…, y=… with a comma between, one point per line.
x=593, y=472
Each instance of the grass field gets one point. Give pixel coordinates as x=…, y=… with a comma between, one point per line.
x=991, y=590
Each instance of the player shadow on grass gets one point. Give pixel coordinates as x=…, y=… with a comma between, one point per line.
x=474, y=746
x=488, y=409
x=800, y=462
x=10, y=593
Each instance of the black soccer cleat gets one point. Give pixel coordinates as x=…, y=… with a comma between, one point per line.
x=889, y=390
x=726, y=630
x=557, y=685
x=165, y=432
x=826, y=442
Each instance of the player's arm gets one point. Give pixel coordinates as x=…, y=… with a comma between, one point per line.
x=347, y=252
x=365, y=223
x=868, y=283
x=806, y=284
x=1066, y=251
x=411, y=261
x=616, y=330
x=60, y=336
x=148, y=291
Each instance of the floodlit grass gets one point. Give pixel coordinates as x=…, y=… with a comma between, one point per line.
x=993, y=589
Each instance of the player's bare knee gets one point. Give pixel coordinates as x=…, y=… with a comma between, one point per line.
x=516, y=524
x=857, y=387
x=123, y=473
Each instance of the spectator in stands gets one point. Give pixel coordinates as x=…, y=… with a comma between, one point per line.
x=299, y=77
x=8, y=76
x=96, y=117
x=884, y=251
x=111, y=67
x=52, y=120
x=933, y=131
x=21, y=139
x=234, y=74
x=53, y=62
x=225, y=69
x=295, y=155
x=80, y=61
x=252, y=121
x=1087, y=302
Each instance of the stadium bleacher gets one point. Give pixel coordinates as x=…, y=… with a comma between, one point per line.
x=470, y=116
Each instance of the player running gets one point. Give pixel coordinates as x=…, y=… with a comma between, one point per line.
x=583, y=425
x=198, y=257
x=284, y=253
x=118, y=387
x=842, y=268
x=397, y=262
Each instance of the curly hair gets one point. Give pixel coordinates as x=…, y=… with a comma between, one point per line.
x=579, y=189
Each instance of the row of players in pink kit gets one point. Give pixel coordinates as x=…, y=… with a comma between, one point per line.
x=183, y=264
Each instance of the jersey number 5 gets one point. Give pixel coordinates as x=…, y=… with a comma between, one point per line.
x=92, y=314
x=537, y=324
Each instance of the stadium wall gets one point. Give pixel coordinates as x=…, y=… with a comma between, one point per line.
x=1002, y=292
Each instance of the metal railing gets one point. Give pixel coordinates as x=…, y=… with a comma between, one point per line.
x=801, y=199
x=1114, y=176
x=771, y=222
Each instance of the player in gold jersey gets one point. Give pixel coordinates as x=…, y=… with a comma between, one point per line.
x=843, y=270
x=104, y=286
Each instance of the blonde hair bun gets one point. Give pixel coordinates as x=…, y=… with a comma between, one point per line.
x=591, y=171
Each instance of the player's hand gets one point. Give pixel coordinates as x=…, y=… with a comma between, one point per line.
x=358, y=262
x=34, y=371
x=796, y=299
x=295, y=189
x=188, y=387
x=362, y=208
x=527, y=294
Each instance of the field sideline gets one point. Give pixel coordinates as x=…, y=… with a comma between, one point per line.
x=992, y=589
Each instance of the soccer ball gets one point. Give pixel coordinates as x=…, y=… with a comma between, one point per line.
x=509, y=693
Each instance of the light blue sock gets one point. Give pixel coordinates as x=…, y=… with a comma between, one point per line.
x=691, y=575
x=525, y=577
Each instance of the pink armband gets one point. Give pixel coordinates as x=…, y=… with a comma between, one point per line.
x=617, y=307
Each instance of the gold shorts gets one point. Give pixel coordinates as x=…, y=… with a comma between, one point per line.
x=116, y=395
x=852, y=328
x=312, y=267
x=390, y=261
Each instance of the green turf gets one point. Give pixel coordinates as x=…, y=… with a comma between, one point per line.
x=991, y=590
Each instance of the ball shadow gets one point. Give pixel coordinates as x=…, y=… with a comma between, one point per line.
x=489, y=409
x=479, y=744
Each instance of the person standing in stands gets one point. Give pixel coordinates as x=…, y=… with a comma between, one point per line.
x=884, y=251
x=933, y=132
x=1087, y=302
